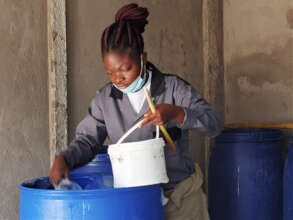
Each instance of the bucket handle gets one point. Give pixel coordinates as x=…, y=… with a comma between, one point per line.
x=132, y=129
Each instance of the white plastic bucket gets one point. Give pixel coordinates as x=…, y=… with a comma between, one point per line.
x=138, y=163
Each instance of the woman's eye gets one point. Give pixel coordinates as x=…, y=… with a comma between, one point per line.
x=126, y=69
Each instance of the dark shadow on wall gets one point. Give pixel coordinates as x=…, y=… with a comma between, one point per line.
x=260, y=86
x=290, y=18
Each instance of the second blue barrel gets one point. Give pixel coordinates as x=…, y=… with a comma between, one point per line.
x=100, y=164
x=245, y=175
x=288, y=185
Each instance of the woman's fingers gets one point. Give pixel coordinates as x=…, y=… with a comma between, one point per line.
x=66, y=173
x=144, y=122
x=163, y=114
x=55, y=177
x=58, y=169
x=152, y=118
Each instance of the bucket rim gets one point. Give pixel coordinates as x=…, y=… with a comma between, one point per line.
x=130, y=144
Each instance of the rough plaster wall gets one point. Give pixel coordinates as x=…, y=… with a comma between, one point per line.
x=23, y=99
x=258, y=45
x=173, y=40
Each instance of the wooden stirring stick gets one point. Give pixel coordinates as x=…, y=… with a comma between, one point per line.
x=163, y=129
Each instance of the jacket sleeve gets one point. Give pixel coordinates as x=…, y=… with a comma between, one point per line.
x=90, y=135
x=199, y=114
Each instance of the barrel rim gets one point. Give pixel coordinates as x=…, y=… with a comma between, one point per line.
x=99, y=157
x=249, y=135
x=85, y=192
x=242, y=130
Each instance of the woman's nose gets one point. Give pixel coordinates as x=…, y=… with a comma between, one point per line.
x=119, y=77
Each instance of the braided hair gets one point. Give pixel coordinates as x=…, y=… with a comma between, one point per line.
x=126, y=31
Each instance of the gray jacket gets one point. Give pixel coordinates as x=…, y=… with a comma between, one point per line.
x=111, y=115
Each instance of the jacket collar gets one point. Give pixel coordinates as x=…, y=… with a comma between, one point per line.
x=157, y=84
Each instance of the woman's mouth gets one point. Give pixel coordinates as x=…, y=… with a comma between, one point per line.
x=121, y=86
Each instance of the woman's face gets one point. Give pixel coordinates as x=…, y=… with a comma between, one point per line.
x=122, y=68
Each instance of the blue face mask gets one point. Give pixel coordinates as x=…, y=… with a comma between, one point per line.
x=137, y=84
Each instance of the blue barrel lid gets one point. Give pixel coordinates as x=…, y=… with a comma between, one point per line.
x=249, y=135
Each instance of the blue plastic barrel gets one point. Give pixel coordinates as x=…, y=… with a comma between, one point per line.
x=38, y=201
x=100, y=164
x=288, y=185
x=245, y=175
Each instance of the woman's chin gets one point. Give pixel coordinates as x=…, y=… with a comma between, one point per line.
x=121, y=86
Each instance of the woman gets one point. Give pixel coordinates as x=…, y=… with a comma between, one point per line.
x=121, y=102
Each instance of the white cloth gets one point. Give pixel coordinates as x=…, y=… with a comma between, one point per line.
x=187, y=201
x=137, y=99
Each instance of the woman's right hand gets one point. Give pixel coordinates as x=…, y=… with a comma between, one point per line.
x=58, y=169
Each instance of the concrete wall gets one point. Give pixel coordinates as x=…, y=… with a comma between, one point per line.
x=173, y=40
x=23, y=99
x=258, y=47
x=258, y=53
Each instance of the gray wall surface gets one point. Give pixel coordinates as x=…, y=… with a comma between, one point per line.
x=258, y=53
x=23, y=99
x=173, y=41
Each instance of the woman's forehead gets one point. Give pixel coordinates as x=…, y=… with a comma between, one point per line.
x=114, y=60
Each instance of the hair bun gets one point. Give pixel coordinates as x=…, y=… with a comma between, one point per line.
x=133, y=14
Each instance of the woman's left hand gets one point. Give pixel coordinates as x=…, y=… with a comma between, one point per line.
x=163, y=114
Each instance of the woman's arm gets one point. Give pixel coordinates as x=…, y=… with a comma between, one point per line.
x=199, y=114
x=189, y=110
x=90, y=136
